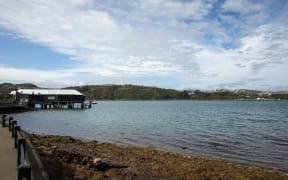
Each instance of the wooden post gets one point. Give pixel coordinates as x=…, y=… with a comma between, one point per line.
x=14, y=124
x=10, y=123
x=24, y=172
x=3, y=120
x=21, y=141
x=16, y=130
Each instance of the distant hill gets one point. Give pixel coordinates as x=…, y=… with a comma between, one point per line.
x=135, y=92
x=110, y=92
x=130, y=92
x=6, y=88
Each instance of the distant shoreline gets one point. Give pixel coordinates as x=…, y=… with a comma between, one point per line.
x=138, y=92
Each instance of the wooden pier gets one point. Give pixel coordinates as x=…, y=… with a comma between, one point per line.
x=51, y=99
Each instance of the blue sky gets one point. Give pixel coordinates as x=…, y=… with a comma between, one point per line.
x=197, y=44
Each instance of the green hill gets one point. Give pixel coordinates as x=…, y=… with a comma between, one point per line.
x=6, y=88
x=130, y=92
x=134, y=92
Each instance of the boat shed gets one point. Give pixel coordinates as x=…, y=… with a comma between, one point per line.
x=51, y=99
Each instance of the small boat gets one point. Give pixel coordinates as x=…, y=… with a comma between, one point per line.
x=93, y=102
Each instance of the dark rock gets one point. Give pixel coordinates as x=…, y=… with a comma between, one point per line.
x=90, y=165
x=207, y=178
x=101, y=166
x=68, y=159
x=89, y=162
x=84, y=161
x=71, y=140
x=105, y=164
x=76, y=160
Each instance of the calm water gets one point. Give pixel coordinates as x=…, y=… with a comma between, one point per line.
x=253, y=132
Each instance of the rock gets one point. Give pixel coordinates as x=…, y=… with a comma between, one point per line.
x=76, y=160
x=90, y=165
x=71, y=140
x=101, y=166
x=84, y=161
x=93, y=142
x=89, y=162
x=207, y=178
x=105, y=164
x=96, y=160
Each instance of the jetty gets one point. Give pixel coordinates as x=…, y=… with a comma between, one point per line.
x=8, y=108
x=50, y=99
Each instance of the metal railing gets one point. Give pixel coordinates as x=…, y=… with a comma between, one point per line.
x=23, y=163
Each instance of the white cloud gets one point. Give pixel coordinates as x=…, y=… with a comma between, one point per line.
x=268, y=45
x=164, y=38
x=260, y=58
x=196, y=9
x=13, y=74
x=241, y=6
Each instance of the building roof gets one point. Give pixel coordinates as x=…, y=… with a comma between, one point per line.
x=12, y=93
x=49, y=91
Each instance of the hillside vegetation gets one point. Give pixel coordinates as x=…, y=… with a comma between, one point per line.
x=130, y=92
x=6, y=88
x=134, y=92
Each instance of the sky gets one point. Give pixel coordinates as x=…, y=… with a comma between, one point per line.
x=179, y=44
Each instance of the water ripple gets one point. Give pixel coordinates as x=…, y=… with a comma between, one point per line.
x=249, y=132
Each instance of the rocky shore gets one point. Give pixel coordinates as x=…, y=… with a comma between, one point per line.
x=68, y=158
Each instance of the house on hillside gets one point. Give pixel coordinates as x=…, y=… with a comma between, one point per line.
x=51, y=98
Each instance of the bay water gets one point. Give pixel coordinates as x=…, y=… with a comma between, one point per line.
x=249, y=132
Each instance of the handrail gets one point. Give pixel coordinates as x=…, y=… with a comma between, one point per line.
x=24, y=167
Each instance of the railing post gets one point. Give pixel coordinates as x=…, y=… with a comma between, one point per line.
x=14, y=124
x=24, y=168
x=21, y=141
x=24, y=171
x=3, y=120
x=17, y=128
x=10, y=123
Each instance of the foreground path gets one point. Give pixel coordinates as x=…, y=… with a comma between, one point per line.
x=8, y=155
